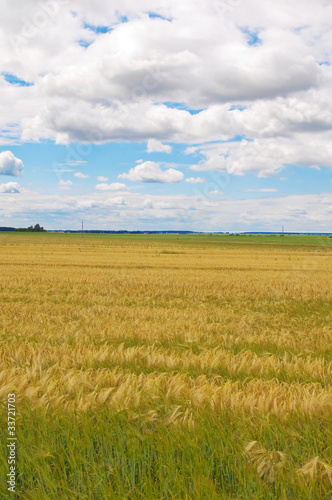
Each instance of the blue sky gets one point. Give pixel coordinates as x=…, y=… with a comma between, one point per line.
x=208, y=117
x=46, y=164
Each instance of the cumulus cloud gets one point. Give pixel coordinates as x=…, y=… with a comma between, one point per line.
x=10, y=165
x=155, y=146
x=201, y=212
x=101, y=178
x=148, y=203
x=266, y=156
x=65, y=184
x=114, y=186
x=193, y=75
x=150, y=171
x=10, y=187
x=196, y=57
x=79, y=175
x=195, y=180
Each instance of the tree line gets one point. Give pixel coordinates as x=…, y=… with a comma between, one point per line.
x=32, y=229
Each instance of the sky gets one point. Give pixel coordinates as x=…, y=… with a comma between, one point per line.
x=166, y=115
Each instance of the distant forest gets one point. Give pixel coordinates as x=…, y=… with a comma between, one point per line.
x=32, y=229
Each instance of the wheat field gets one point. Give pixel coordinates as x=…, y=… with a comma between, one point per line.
x=167, y=367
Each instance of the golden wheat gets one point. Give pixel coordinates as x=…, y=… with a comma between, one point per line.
x=268, y=463
x=317, y=470
x=126, y=324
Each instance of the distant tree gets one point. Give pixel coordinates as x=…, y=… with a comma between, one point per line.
x=32, y=229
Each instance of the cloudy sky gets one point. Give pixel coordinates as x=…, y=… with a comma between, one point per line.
x=213, y=116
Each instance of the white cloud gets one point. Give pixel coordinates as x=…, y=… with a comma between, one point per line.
x=144, y=77
x=200, y=60
x=201, y=212
x=118, y=200
x=150, y=171
x=10, y=165
x=65, y=184
x=79, y=175
x=10, y=187
x=115, y=186
x=101, y=178
x=195, y=180
x=148, y=203
x=267, y=156
x=155, y=146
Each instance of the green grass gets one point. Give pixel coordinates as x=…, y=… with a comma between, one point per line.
x=191, y=239
x=100, y=455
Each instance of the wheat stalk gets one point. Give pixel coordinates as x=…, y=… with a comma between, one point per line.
x=268, y=463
